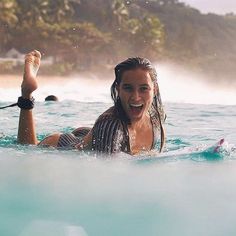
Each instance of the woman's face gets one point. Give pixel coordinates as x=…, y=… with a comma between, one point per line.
x=136, y=92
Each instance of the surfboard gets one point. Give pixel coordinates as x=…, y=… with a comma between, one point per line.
x=215, y=151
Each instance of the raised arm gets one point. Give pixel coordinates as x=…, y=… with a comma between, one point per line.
x=26, y=128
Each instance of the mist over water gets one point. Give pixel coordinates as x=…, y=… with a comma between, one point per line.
x=79, y=89
x=181, y=86
x=176, y=85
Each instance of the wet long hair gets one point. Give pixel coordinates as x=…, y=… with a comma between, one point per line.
x=144, y=64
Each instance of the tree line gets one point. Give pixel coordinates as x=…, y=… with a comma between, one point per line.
x=82, y=34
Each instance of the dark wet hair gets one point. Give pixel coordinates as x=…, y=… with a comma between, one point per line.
x=132, y=64
x=51, y=98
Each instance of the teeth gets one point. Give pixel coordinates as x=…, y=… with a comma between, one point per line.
x=136, y=105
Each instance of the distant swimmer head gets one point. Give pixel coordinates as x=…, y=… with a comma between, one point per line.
x=51, y=98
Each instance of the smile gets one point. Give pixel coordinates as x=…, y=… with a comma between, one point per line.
x=139, y=106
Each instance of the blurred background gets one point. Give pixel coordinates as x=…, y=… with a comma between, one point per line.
x=78, y=36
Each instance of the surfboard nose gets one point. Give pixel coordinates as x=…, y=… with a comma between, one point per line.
x=219, y=144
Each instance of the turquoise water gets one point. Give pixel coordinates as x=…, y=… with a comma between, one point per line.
x=185, y=191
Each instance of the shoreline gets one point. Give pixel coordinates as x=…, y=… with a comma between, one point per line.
x=10, y=81
x=14, y=81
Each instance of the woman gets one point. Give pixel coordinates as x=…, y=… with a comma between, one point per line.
x=134, y=124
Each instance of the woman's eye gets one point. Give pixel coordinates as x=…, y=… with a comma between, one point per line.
x=127, y=88
x=143, y=89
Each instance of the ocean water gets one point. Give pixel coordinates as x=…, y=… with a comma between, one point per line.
x=187, y=190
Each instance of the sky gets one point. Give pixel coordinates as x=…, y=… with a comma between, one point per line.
x=213, y=6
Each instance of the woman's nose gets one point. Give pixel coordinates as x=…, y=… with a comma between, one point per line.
x=135, y=95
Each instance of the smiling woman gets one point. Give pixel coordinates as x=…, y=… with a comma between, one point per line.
x=133, y=125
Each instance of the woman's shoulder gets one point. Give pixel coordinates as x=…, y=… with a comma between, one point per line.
x=109, y=115
x=109, y=133
x=109, y=122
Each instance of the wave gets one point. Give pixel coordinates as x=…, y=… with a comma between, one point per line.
x=176, y=86
x=181, y=86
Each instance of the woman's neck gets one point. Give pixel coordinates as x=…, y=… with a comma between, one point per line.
x=140, y=123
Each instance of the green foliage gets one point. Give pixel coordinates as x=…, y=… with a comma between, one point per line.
x=203, y=42
x=80, y=33
x=132, y=35
x=148, y=35
x=8, y=20
x=48, y=26
x=56, y=27
x=8, y=10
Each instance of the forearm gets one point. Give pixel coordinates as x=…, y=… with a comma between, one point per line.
x=26, y=130
x=26, y=127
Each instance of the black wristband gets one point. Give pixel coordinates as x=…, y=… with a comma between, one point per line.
x=25, y=103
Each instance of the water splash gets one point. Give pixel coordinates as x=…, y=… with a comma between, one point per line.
x=180, y=86
x=176, y=85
